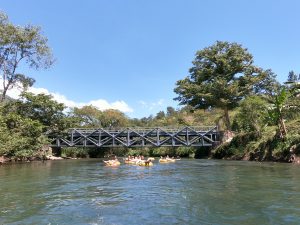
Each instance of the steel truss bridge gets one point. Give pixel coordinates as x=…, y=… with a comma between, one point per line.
x=138, y=137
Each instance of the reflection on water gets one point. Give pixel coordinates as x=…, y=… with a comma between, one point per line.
x=185, y=192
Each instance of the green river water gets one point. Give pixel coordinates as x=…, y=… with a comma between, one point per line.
x=185, y=192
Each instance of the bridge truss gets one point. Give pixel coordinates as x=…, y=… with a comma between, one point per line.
x=138, y=137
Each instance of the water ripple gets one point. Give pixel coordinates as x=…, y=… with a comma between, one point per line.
x=185, y=192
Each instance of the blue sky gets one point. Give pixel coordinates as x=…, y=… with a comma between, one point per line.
x=130, y=53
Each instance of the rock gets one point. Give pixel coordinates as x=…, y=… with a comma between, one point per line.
x=4, y=160
x=51, y=157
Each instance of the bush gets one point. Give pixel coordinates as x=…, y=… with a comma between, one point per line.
x=74, y=152
x=138, y=151
x=237, y=146
x=185, y=151
x=163, y=151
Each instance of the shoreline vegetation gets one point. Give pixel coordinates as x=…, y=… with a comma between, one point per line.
x=251, y=146
x=259, y=117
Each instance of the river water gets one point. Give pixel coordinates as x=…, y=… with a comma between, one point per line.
x=185, y=192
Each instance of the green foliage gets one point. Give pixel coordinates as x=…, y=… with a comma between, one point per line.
x=163, y=151
x=139, y=151
x=222, y=79
x=251, y=114
x=265, y=146
x=293, y=77
x=43, y=109
x=237, y=146
x=284, y=105
x=17, y=45
x=113, y=118
x=24, y=124
x=185, y=151
x=267, y=86
x=90, y=116
x=223, y=151
x=74, y=152
x=160, y=115
x=20, y=137
x=221, y=76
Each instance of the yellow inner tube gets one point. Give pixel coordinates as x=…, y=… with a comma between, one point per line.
x=167, y=160
x=112, y=163
x=145, y=164
x=129, y=162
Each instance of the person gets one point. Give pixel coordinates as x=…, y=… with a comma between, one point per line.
x=147, y=162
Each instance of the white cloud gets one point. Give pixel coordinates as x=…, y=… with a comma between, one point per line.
x=101, y=104
x=142, y=103
x=152, y=105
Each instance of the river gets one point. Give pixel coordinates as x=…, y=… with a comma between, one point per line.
x=185, y=192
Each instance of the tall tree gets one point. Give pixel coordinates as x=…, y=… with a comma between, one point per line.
x=292, y=77
x=170, y=111
x=267, y=86
x=89, y=116
x=113, y=118
x=221, y=76
x=160, y=115
x=17, y=45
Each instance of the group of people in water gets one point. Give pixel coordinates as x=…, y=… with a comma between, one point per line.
x=139, y=160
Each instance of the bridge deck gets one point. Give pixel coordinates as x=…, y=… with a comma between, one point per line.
x=139, y=137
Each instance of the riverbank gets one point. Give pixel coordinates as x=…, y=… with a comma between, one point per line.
x=252, y=146
x=263, y=146
x=5, y=160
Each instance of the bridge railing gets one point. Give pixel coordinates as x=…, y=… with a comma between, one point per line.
x=138, y=137
x=147, y=129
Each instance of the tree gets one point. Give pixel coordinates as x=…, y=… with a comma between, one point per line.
x=279, y=106
x=19, y=136
x=113, y=118
x=222, y=75
x=252, y=114
x=293, y=102
x=17, y=45
x=293, y=84
x=89, y=116
x=42, y=108
x=292, y=77
x=160, y=115
x=170, y=111
x=267, y=86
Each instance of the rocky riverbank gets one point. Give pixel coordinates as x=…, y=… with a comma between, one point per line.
x=263, y=146
x=4, y=160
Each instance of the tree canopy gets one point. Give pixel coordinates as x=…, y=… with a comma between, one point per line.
x=222, y=75
x=21, y=44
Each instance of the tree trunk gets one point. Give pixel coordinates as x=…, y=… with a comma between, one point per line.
x=3, y=95
x=283, y=130
x=227, y=119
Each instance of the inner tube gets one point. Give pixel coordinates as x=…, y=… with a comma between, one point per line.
x=145, y=163
x=166, y=160
x=112, y=163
